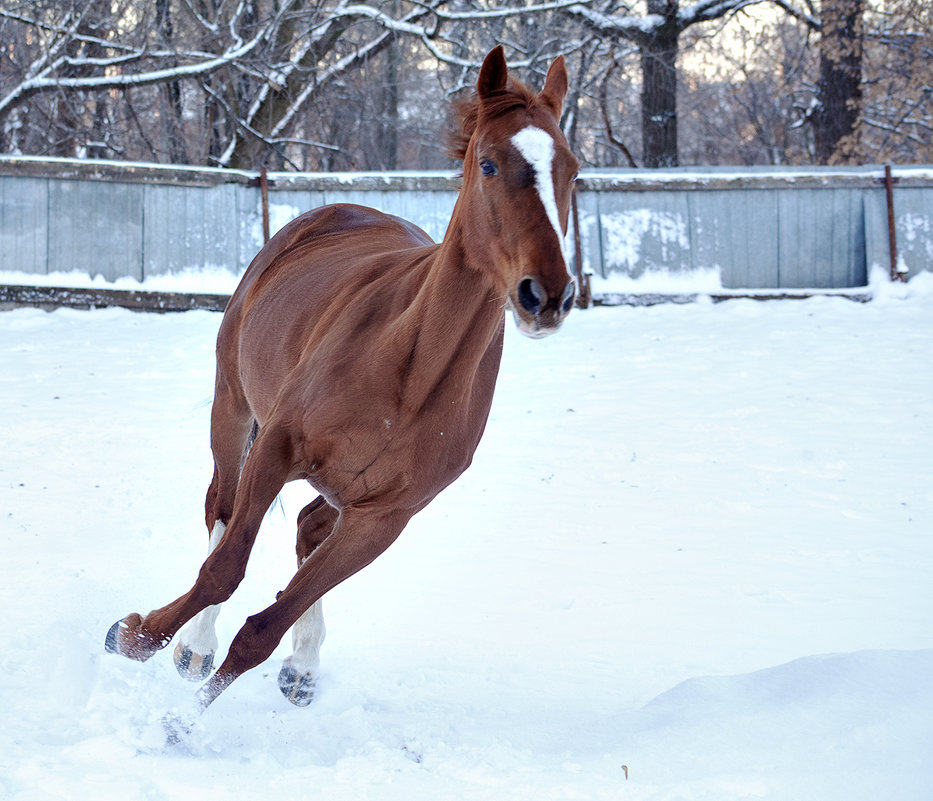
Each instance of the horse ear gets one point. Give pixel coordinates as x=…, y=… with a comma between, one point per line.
x=555, y=86
x=493, y=74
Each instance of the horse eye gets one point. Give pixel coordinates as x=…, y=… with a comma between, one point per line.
x=489, y=169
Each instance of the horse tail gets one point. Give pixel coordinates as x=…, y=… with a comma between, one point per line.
x=254, y=432
x=277, y=503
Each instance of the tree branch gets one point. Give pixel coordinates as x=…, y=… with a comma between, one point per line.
x=44, y=80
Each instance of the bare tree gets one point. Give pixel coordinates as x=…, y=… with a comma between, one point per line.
x=657, y=37
x=337, y=84
x=746, y=99
x=873, y=97
x=897, y=119
x=229, y=83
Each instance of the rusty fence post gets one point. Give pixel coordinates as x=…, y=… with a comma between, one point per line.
x=263, y=183
x=889, y=181
x=584, y=295
x=264, y=191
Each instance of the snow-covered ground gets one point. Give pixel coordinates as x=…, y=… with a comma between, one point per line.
x=696, y=541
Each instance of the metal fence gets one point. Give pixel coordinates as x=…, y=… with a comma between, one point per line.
x=764, y=228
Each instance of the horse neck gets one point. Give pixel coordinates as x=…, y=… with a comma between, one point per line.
x=458, y=319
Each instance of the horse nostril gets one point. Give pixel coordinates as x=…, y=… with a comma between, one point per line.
x=570, y=293
x=531, y=295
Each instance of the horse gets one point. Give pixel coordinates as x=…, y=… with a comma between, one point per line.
x=360, y=356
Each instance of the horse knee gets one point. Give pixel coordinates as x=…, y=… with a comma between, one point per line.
x=253, y=643
x=219, y=577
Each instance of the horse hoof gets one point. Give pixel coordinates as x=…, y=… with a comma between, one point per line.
x=112, y=641
x=126, y=639
x=192, y=666
x=297, y=687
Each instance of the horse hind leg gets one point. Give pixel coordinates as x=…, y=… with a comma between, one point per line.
x=233, y=430
x=299, y=674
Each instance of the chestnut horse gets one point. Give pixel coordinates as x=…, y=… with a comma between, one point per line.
x=360, y=356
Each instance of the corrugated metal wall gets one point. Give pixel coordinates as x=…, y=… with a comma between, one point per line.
x=761, y=228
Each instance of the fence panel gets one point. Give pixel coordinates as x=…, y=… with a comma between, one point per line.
x=191, y=227
x=95, y=231
x=24, y=224
x=760, y=228
x=821, y=239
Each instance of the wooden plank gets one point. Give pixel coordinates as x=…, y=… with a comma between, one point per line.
x=656, y=299
x=99, y=233
x=164, y=302
x=189, y=227
x=24, y=230
x=50, y=297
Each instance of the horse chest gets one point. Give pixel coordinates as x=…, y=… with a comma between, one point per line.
x=372, y=446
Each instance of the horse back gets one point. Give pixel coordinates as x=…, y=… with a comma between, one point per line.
x=349, y=231
x=322, y=266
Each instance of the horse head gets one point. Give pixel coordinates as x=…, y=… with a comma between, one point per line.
x=518, y=174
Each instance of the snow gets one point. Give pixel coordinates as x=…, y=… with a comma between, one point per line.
x=65, y=166
x=625, y=231
x=656, y=281
x=695, y=542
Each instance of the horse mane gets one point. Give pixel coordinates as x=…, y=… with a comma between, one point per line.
x=467, y=111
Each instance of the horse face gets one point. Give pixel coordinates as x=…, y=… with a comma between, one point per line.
x=523, y=171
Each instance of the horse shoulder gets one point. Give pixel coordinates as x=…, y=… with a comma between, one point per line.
x=327, y=281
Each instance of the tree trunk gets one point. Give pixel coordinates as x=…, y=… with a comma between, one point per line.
x=389, y=122
x=838, y=115
x=659, y=97
x=172, y=108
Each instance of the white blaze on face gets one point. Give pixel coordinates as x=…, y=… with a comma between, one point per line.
x=537, y=148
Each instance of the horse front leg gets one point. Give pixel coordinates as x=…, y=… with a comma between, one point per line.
x=265, y=472
x=232, y=423
x=197, y=641
x=358, y=537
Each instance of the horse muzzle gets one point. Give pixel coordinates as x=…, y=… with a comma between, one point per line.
x=539, y=313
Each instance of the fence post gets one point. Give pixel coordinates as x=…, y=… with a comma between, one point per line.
x=263, y=183
x=264, y=191
x=584, y=295
x=896, y=274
